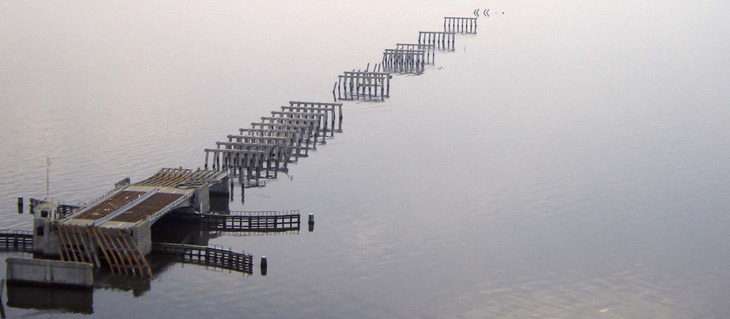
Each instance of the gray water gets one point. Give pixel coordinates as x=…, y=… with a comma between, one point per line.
x=568, y=161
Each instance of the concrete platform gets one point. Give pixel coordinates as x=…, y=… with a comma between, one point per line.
x=50, y=272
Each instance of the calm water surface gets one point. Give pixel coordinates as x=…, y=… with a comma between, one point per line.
x=569, y=161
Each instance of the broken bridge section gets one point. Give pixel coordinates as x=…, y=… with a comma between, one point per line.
x=273, y=142
x=405, y=58
x=363, y=85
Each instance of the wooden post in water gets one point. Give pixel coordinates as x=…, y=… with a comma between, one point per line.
x=264, y=266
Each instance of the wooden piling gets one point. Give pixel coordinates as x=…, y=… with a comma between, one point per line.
x=103, y=246
x=362, y=84
x=441, y=40
x=466, y=25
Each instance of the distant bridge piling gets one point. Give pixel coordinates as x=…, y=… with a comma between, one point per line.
x=460, y=25
x=442, y=40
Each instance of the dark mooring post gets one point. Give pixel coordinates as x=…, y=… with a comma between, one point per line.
x=264, y=266
x=20, y=204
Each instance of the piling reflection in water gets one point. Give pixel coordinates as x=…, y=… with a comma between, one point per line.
x=44, y=298
x=257, y=221
x=138, y=286
x=184, y=236
x=197, y=229
x=214, y=257
x=79, y=300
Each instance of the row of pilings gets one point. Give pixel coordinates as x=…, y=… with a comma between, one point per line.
x=269, y=144
x=460, y=24
x=259, y=151
x=405, y=58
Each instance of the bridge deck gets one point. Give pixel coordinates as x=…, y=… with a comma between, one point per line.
x=147, y=200
x=147, y=208
x=109, y=205
x=131, y=205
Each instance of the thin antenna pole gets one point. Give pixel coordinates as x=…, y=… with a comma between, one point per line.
x=48, y=169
